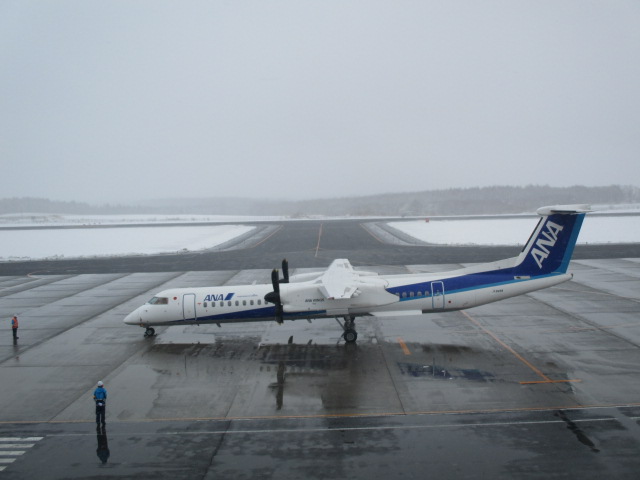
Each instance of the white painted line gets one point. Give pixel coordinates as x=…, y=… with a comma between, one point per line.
x=7, y=460
x=11, y=452
x=19, y=439
x=16, y=445
x=2, y=468
x=392, y=427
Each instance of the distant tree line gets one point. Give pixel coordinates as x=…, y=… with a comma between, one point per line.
x=43, y=205
x=454, y=201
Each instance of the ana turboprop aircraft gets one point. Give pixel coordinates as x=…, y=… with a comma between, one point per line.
x=341, y=291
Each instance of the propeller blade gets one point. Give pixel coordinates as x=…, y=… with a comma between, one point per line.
x=285, y=271
x=274, y=297
x=275, y=281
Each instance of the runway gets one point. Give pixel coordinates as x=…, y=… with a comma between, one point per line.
x=544, y=385
x=306, y=244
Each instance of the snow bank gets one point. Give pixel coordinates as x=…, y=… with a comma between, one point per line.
x=92, y=242
x=516, y=231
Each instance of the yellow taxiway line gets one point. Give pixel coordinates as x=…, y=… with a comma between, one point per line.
x=536, y=370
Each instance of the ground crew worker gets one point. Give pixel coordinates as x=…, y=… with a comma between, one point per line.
x=14, y=327
x=100, y=396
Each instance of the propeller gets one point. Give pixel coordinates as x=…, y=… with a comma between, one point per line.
x=274, y=297
x=285, y=271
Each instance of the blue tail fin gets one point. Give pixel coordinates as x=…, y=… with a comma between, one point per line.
x=551, y=245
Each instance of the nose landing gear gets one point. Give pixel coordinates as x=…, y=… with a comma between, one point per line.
x=149, y=332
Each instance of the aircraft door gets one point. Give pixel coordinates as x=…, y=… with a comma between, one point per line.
x=437, y=295
x=189, y=306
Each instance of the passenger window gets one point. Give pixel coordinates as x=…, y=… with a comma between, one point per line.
x=204, y=304
x=229, y=303
x=244, y=302
x=237, y=303
x=251, y=302
x=404, y=294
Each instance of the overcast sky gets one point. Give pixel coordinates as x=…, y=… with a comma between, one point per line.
x=120, y=101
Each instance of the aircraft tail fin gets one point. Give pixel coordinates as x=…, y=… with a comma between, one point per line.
x=551, y=244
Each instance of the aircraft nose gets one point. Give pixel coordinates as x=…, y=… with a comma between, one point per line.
x=133, y=318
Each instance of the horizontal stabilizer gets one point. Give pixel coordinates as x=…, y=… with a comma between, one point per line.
x=564, y=209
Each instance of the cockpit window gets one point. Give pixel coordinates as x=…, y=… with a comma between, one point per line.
x=159, y=301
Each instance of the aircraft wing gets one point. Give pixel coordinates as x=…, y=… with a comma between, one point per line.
x=339, y=281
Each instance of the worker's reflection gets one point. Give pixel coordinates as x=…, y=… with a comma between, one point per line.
x=103, y=446
x=280, y=385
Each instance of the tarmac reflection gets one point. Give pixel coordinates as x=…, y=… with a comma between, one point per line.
x=103, y=445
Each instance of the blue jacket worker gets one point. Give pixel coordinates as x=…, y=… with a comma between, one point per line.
x=100, y=396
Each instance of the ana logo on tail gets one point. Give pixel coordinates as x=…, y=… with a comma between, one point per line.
x=546, y=239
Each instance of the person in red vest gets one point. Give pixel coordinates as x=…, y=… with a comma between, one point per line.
x=14, y=327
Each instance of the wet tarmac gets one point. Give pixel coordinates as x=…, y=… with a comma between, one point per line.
x=545, y=385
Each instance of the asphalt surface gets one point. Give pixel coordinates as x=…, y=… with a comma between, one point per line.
x=545, y=385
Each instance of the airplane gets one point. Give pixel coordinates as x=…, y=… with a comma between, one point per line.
x=343, y=292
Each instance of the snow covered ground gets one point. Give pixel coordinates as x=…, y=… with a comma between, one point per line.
x=105, y=242
x=47, y=219
x=93, y=242
x=515, y=231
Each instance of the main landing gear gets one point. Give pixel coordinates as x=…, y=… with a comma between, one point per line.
x=350, y=335
x=149, y=332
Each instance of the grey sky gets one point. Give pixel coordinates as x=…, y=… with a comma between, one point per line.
x=119, y=100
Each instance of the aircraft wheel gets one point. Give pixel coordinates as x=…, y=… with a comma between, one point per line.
x=149, y=332
x=350, y=336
